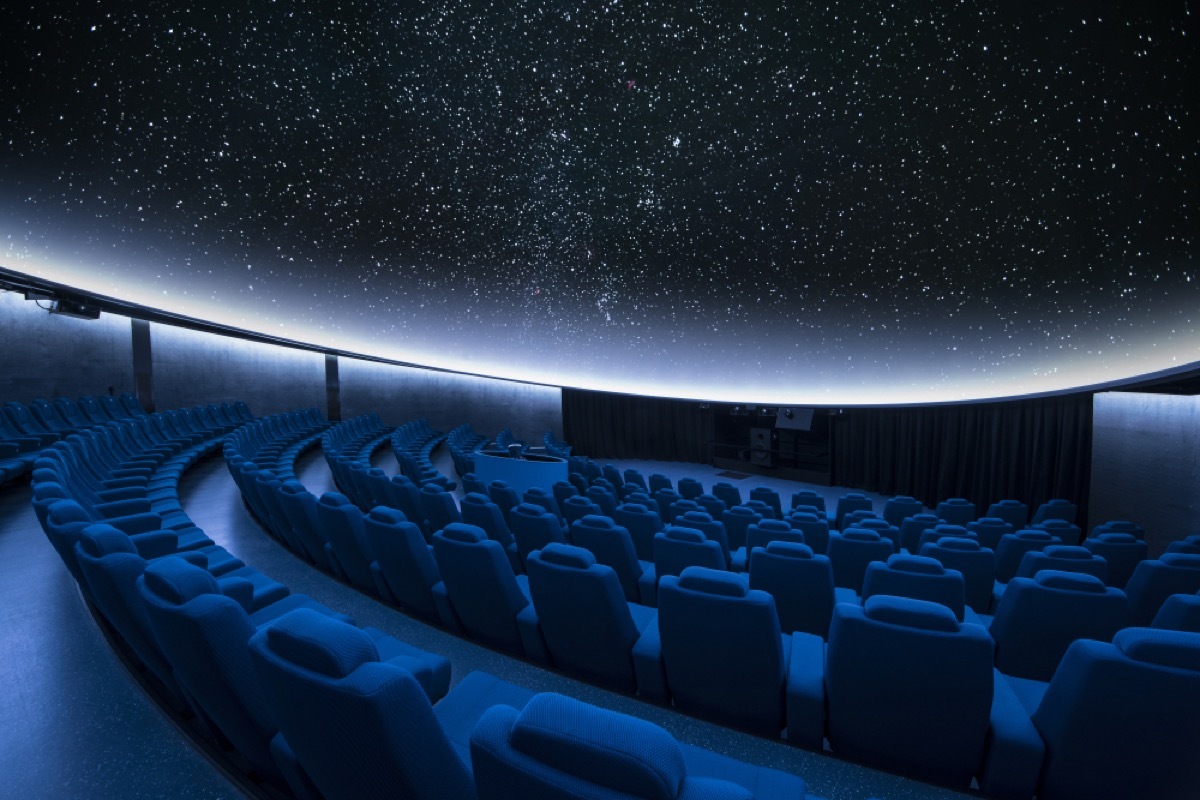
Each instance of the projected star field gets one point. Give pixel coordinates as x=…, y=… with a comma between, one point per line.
x=778, y=202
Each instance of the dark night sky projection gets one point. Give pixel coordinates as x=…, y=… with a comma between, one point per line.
x=777, y=202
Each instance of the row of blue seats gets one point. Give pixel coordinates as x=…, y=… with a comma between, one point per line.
x=413, y=444
x=763, y=782
x=275, y=442
x=463, y=443
x=554, y=446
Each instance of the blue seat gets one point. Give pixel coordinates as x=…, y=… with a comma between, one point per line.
x=479, y=593
x=1179, y=612
x=943, y=531
x=956, y=511
x=1120, y=526
x=472, y=484
x=676, y=549
x=1057, y=508
x=539, y=496
x=1014, y=546
x=851, y=501
x=1189, y=545
x=533, y=527
x=1068, y=532
x=588, y=626
x=690, y=488
x=504, y=496
x=912, y=690
x=666, y=498
x=681, y=507
x=713, y=529
x=300, y=507
x=884, y=528
x=611, y=546
x=642, y=522
x=1064, y=558
x=659, y=481
x=912, y=528
x=727, y=493
x=737, y=520
x=1154, y=580
x=363, y=727
x=714, y=506
x=770, y=497
x=577, y=507
x=562, y=490
x=403, y=569
x=851, y=551
x=807, y=497
x=1038, y=618
x=989, y=530
x=348, y=549
x=726, y=659
x=854, y=518
x=612, y=475
x=977, y=565
x=478, y=510
x=900, y=508
x=636, y=478
x=761, y=534
x=1014, y=512
x=918, y=577
x=405, y=496
x=438, y=507
x=1119, y=720
x=560, y=747
x=814, y=526
x=1122, y=551
x=801, y=582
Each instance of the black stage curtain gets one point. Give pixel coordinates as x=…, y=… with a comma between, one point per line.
x=604, y=425
x=1028, y=450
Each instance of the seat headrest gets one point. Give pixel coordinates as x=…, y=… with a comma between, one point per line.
x=713, y=581
x=387, y=515
x=776, y=525
x=860, y=535
x=100, y=540
x=596, y=521
x=1177, y=649
x=63, y=511
x=334, y=499
x=684, y=534
x=498, y=484
x=696, y=516
x=989, y=522
x=320, y=644
x=1116, y=538
x=293, y=487
x=1070, y=581
x=633, y=508
x=580, y=500
x=921, y=565
x=788, y=549
x=403, y=480
x=922, y=614
x=957, y=543
x=476, y=499
x=176, y=581
x=743, y=511
x=1068, y=551
x=432, y=488
x=624, y=754
x=462, y=532
x=804, y=516
x=566, y=555
x=1185, y=560
x=1035, y=535
x=528, y=510
x=957, y=531
x=956, y=501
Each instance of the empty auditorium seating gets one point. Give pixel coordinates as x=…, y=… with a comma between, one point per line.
x=900, y=508
x=642, y=522
x=977, y=565
x=1153, y=581
x=801, y=582
x=404, y=569
x=611, y=545
x=1014, y=512
x=1014, y=546
x=918, y=577
x=851, y=551
x=956, y=511
x=677, y=548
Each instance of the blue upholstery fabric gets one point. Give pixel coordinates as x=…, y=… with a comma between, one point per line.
x=404, y=561
x=342, y=523
x=539, y=496
x=956, y=511
x=801, y=583
x=612, y=546
x=713, y=529
x=1014, y=512
x=851, y=501
x=479, y=582
x=1014, y=546
x=1179, y=612
x=578, y=507
x=721, y=645
x=727, y=493
x=438, y=507
x=588, y=626
x=1055, y=509
x=912, y=528
x=1154, y=581
x=1119, y=720
x=504, y=496
x=676, y=549
x=1121, y=551
x=369, y=733
x=909, y=689
x=851, y=551
x=690, y=488
x=815, y=528
x=1064, y=558
x=989, y=530
x=1038, y=618
x=642, y=523
x=533, y=527
x=478, y=510
x=1068, y=532
x=666, y=498
x=737, y=520
x=300, y=507
x=976, y=564
x=900, y=508
x=770, y=497
x=918, y=577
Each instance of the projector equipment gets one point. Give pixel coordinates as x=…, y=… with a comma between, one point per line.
x=797, y=419
x=760, y=447
x=75, y=308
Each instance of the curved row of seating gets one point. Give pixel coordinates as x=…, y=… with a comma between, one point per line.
x=463, y=443
x=413, y=444
x=468, y=579
x=555, y=446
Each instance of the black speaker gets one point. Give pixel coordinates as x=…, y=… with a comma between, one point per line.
x=760, y=447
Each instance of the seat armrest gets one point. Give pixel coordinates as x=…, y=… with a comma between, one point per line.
x=531, y=635
x=648, y=586
x=445, y=609
x=123, y=493
x=124, y=507
x=1013, y=751
x=648, y=665
x=155, y=543
x=381, y=584
x=240, y=590
x=805, y=691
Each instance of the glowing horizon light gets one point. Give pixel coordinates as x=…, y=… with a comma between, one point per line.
x=819, y=206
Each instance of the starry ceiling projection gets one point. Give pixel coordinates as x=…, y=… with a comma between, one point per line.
x=779, y=202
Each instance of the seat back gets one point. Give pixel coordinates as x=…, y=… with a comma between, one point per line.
x=583, y=615
x=989, y=530
x=438, y=507
x=713, y=529
x=900, y=508
x=404, y=560
x=1122, y=551
x=770, y=497
x=1153, y=581
x=956, y=511
x=727, y=493
x=801, y=583
x=976, y=564
x=851, y=551
x=533, y=527
x=1014, y=512
x=342, y=523
x=676, y=549
x=712, y=505
x=737, y=520
x=1095, y=718
x=918, y=577
x=1057, y=508
x=642, y=522
x=851, y=501
x=1064, y=558
x=912, y=528
x=539, y=496
x=478, y=510
x=1014, y=546
x=611, y=546
x=360, y=727
x=722, y=649
x=690, y=488
x=1037, y=619
x=815, y=528
x=577, y=507
x=908, y=688
x=480, y=584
